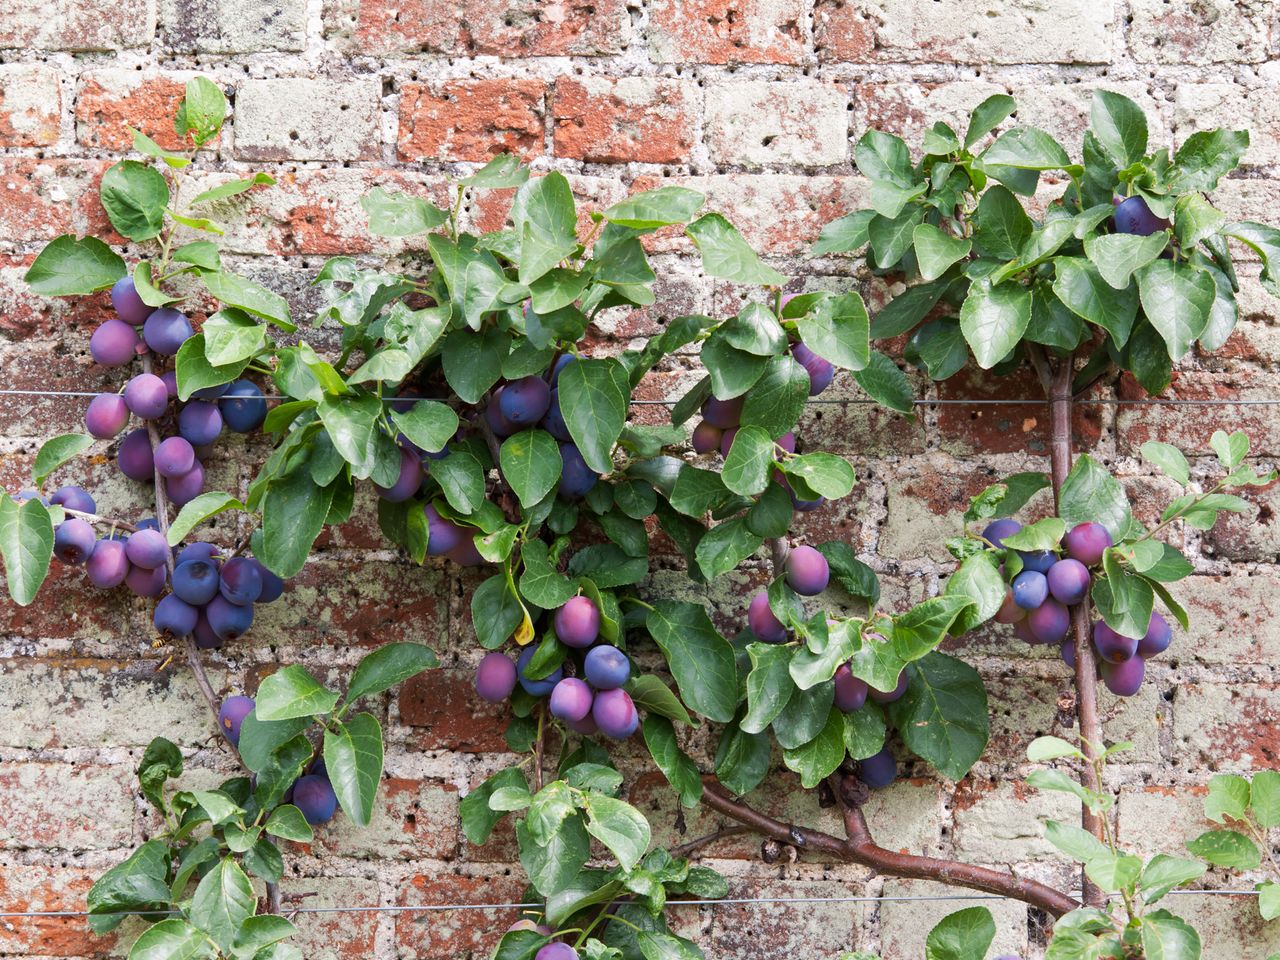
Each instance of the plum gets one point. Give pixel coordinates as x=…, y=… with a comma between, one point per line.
x=497, y=421
x=576, y=478
x=762, y=622
x=408, y=480
x=1038, y=560
x=200, y=422
x=228, y=620
x=706, y=437
x=466, y=554
x=525, y=401
x=147, y=549
x=170, y=378
x=723, y=413
x=1113, y=647
x=146, y=396
x=147, y=583
x=889, y=696
x=1009, y=611
x=1067, y=649
x=606, y=667
x=113, y=343
x=73, y=541
x=239, y=581
x=185, y=487
x=495, y=677
x=205, y=638
x=586, y=726
x=556, y=951
x=553, y=422
x=134, y=457
x=1157, y=638
x=442, y=535
x=570, y=699
x=879, y=770
x=1087, y=542
x=820, y=371
x=1030, y=589
x=615, y=714
x=1068, y=581
x=166, y=330
x=557, y=368
x=726, y=440
x=128, y=305
x=106, y=415
x=272, y=585
x=175, y=617
x=210, y=393
x=200, y=550
x=107, y=565
x=1132, y=215
x=536, y=688
x=243, y=406
x=787, y=442
x=314, y=796
x=196, y=581
x=174, y=456
x=74, y=498
x=1049, y=622
x=231, y=715
x=578, y=622
x=1022, y=630
x=851, y=692
x=807, y=571
x=1124, y=679
x=997, y=530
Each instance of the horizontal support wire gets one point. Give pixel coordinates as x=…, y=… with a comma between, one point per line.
x=738, y=901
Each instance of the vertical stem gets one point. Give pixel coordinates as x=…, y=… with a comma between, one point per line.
x=1059, y=390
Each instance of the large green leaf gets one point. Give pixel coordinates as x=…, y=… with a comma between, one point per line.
x=593, y=401
x=1205, y=157
x=552, y=866
x=936, y=251
x=1118, y=255
x=963, y=935
x=250, y=296
x=993, y=320
x=393, y=214
x=679, y=769
x=1120, y=126
x=26, y=545
x=387, y=666
x=943, y=714
x=885, y=383
x=725, y=546
x=473, y=361
x=777, y=399
x=293, y=513
x=70, y=267
x=769, y=685
x=496, y=611
x=836, y=329
x=619, y=826
x=1080, y=286
x=727, y=255
x=531, y=465
x=478, y=819
x=804, y=716
x=1177, y=299
x=821, y=756
x=746, y=468
x=742, y=759
x=656, y=208
x=292, y=692
x=1091, y=494
x=172, y=940
x=1166, y=937
x=701, y=660
x=135, y=196
x=353, y=763
x=223, y=901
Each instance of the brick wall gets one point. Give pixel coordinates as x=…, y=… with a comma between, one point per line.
x=755, y=102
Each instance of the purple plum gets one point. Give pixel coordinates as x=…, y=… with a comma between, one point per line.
x=495, y=677
x=1157, y=638
x=200, y=422
x=1132, y=215
x=570, y=699
x=1087, y=542
x=706, y=437
x=442, y=535
x=1113, y=647
x=606, y=667
x=723, y=413
x=882, y=696
x=1009, y=611
x=196, y=581
x=73, y=541
x=74, y=498
x=1068, y=581
x=166, y=330
x=820, y=371
x=128, y=305
x=107, y=565
x=113, y=343
x=228, y=620
x=615, y=714
x=851, y=692
x=997, y=530
x=807, y=571
x=134, y=457
x=243, y=406
x=536, y=688
x=106, y=415
x=239, y=581
x=408, y=481
x=147, y=549
x=525, y=401
x=1124, y=679
x=231, y=715
x=147, y=583
x=576, y=478
x=1049, y=622
x=1030, y=589
x=578, y=622
x=146, y=396
x=175, y=617
x=174, y=456
x=185, y=487
x=314, y=796
x=878, y=770
x=762, y=622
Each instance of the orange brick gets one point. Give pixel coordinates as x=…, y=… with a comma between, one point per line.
x=471, y=119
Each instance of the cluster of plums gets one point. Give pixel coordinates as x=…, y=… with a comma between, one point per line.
x=593, y=701
x=148, y=396
x=311, y=793
x=1038, y=603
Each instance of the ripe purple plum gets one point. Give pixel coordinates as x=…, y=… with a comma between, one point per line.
x=243, y=407
x=525, y=401
x=200, y=550
x=175, y=617
x=536, y=688
x=228, y=620
x=851, y=692
x=723, y=413
x=73, y=541
x=196, y=581
x=762, y=622
x=166, y=330
x=174, y=457
x=570, y=699
x=442, y=535
x=878, y=770
x=820, y=371
x=407, y=482
x=466, y=554
x=1157, y=638
x=231, y=715
x=1022, y=630
x=1049, y=622
x=807, y=571
x=576, y=478
x=1009, y=611
x=113, y=343
x=557, y=368
x=106, y=415
x=1132, y=215
x=128, y=305
x=578, y=622
x=146, y=396
x=147, y=549
x=272, y=585
x=107, y=565
x=586, y=726
x=74, y=498
x=185, y=487
x=556, y=951
x=147, y=583
x=726, y=441
x=170, y=378
x=787, y=442
x=211, y=393
x=205, y=638
x=498, y=423
x=1113, y=647
x=1038, y=560
x=706, y=437
x=606, y=667
x=1067, y=650
x=997, y=530
x=200, y=422
x=495, y=677
x=314, y=796
x=1087, y=542
x=615, y=714
x=1124, y=679
x=134, y=457
x=553, y=422
x=882, y=696
x=239, y=581
x=1068, y=581
x=1030, y=589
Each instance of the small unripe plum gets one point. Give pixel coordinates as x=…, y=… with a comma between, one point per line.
x=146, y=583
x=556, y=951
x=166, y=330
x=205, y=638
x=239, y=581
x=820, y=371
x=174, y=457
x=1068, y=581
x=1030, y=589
x=408, y=481
x=129, y=306
x=74, y=498
x=185, y=487
x=73, y=541
x=106, y=415
x=228, y=620
x=231, y=715
x=1009, y=611
x=495, y=677
x=134, y=457
x=1157, y=638
x=1132, y=215
x=113, y=343
x=196, y=581
x=175, y=617
x=997, y=530
x=1049, y=622
x=851, y=692
x=147, y=549
x=525, y=401
x=570, y=699
x=553, y=422
x=146, y=396
x=442, y=535
x=606, y=667
x=1111, y=646
x=200, y=550
x=1124, y=679
x=615, y=714
x=1087, y=542
x=576, y=478
x=314, y=796
x=726, y=441
x=527, y=924
x=883, y=696
x=272, y=585
x=706, y=437
x=878, y=770
x=807, y=571
x=578, y=622
x=493, y=415
x=200, y=422
x=723, y=413
x=536, y=688
x=762, y=622
x=243, y=406
x=107, y=565
x=1038, y=560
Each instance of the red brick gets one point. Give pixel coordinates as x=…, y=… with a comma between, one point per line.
x=452, y=716
x=727, y=31
x=1253, y=535
x=77, y=24
x=24, y=315
x=337, y=934
x=35, y=888
x=110, y=102
x=634, y=119
x=30, y=105
x=455, y=935
x=471, y=119
x=1190, y=427
x=840, y=32
x=64, y=806
x=40, y=199
x=1006, y=428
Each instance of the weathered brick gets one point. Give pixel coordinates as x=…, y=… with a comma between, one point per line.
x=632, y=119
x=307, y=119
x=790, y=929
x=40, y=199
x=111, y=101
x=1207, y=106
x=77, y=24
x=232, y=26
x=412, y=820
x=925, y=508
x=1229, y=926
x=1171, y=424
x=1233, y=620
x=1254, y=534
x=909, y=109
x=491, y=209
x=30, y=105
x=1227, y=725
x=964, y=31
x=905, y=925
x=44, y=889
x=1004, y=822
x=763, y=123
x=466, y=935
x=451, y=715
x=1178, y=809
x=727, y=31
x=471, y=119
x=340, y=935
x=1200, y=31
x=64, y=806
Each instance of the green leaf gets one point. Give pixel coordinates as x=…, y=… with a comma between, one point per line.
x=531, y=463
x=223, y=901
x=725, y=254
x=1077, y=844
x=1042, y=749
x=742, y=760
x=1117, y=256
x=541, y=583
x=746, y=468
x=1091, y=494
x=144, y=144
x=656, y=208
x=292, y=692
x=808, y=669
x=821, y=756
x=1169, y=459
x=725, y=546
x=651, y=694
x=1166, y=937
x=732, y=371
x=943, y=714
x=70, y=267
x=755, y=330
x=1124, y=599
x=544, y=219
x=993, y=320
x=26, y=545
x=288, y=823
x=496, y=611
x=1177, y=299
x=848, y=234
x=1226, y=848
x=664, y=946
x=701, y=660
x=230, y=189
x=1027, y=148
x=197, y=511
x=769, y=685
x=172, y=940
x=885, y=383
x=259, y=739
x=937, y=251
x=195, y=372
x=1265, y=242
x=907, y=309
x=888, y=199
x=501, y=173
x=1114, y=872
x=1230, y=448
x=804, y=716
x=681, y=772
x=1269, y=901
x=1205, y=157
x=924, y=626
x=387, y=666
x=135, y=196
x=1265, y=798
x=461, y=478
x=428, y=424
x=258, y=933
x=977, y=580
x=250, y=296
x=1001, y=227
x=400, y=214
x=1195, y=219
x=891, y=239
x=478, y=819
x=551, y=867
x=201, y=112
x=1162, y=873
x=1120, y=126
x=963, y=935
x=353, y=762
x=293, y=513
x=988, y=115
x=57, y=451
x=777, y=399
x=231, y=336
x=1042, y=535
x=882, y=156
x=1080, y=286
x=594, y=395
x=836, y=329
x=864, y=731
x=619, y=826
x=139, y=882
